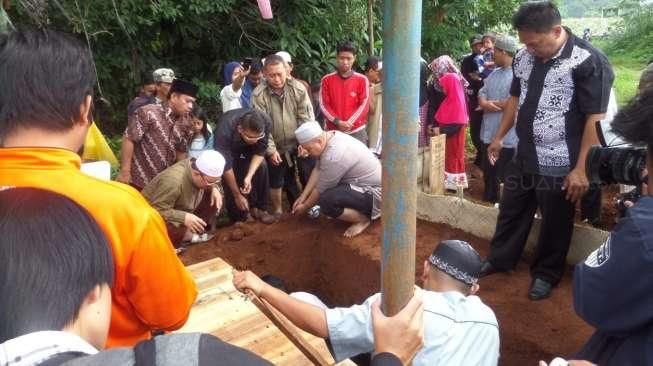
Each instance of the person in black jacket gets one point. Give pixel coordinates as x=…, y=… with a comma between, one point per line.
x=612, y=288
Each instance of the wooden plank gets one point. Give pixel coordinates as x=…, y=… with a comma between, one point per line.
x=436, y=170
x=287, y=328
x=229, y=315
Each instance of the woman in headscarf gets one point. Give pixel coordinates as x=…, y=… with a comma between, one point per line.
x=234, y=77
x=424, y=123
x=448, y=114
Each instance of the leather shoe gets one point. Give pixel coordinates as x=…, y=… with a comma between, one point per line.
x=487, y=269
x=539, y=290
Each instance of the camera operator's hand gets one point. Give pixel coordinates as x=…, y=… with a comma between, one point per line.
x=643, y=189
x=575, y=184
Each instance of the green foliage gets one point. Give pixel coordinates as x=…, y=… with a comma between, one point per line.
x=447, y=25
x=635, y=40
x=197, y=37
x=584, y=8
x=629, y=52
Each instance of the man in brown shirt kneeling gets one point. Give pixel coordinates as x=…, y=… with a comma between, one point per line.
x=187, y=196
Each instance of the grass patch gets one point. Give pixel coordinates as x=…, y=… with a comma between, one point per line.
x=627, y=67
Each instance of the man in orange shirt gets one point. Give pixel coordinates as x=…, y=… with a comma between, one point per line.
x=45, y=103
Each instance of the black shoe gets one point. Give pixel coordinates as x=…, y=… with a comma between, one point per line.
x=487, y=269
x=539, y=290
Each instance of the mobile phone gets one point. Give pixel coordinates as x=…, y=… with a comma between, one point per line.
x=247, y=62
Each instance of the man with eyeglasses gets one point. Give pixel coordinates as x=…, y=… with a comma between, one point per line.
x=187, y=196
x=242, y=138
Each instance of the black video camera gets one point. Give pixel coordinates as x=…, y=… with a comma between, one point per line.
x=615, y=161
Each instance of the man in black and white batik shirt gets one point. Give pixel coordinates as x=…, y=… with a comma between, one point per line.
x=561, y=87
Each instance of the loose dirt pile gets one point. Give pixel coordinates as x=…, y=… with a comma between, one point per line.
x=311, y=255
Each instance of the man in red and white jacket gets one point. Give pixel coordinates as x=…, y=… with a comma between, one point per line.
x=344, y=96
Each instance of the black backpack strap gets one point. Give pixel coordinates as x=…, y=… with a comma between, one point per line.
x=62, y=358
x=145, y=353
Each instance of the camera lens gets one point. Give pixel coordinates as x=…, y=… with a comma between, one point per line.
x=610, y=165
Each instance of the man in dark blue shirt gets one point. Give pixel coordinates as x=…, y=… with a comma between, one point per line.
x=242, y=138
x=613, y=287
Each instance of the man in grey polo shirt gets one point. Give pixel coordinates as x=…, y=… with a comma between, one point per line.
x=493, y=97
x=458, y=328
x=346, y=182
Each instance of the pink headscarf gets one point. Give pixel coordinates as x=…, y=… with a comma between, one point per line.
x=453, y=109
x=444, y=65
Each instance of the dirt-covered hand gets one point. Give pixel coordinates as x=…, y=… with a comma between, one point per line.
x=241, y=202
x=194, y=223
x=247, y=280
x=402, y=334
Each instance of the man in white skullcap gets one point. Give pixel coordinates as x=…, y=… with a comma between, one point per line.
x=188, y=196
x=290, y=66
x=346, y=181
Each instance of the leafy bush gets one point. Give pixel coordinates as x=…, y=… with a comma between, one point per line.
x=197, y=37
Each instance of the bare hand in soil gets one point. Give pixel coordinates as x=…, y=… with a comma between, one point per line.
x=299, y=208
x=241, y=202
x=247, y=280
x=356, y=229
x=575, y=184
x=194, y=223
x=402, y=334
x=216, y=198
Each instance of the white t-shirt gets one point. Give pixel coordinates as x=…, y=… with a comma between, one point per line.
x=230, y=99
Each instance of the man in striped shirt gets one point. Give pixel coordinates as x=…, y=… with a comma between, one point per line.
x=344, y=96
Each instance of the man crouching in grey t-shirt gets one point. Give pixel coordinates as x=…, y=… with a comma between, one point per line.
x=346, y=181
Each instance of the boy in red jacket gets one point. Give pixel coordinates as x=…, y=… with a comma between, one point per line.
x=344, y=97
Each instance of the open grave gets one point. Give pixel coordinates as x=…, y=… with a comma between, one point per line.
x=311, y=255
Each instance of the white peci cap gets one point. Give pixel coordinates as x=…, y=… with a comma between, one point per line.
x=210, y=163
x=308, y=131
x=285, y=56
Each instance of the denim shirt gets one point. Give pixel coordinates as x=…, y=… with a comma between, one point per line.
x=497, y=87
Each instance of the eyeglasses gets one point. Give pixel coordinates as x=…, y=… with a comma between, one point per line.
x=252, y=138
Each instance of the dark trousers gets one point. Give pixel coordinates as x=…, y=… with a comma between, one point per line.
x=493, y=175
x=590, y=205
x=334, y=200
x=286, y=174
x=257, y=197
x=523, y=193
x=475, y=121
x=204, y=211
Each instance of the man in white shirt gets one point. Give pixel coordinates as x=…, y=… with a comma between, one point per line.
x=458, y=328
